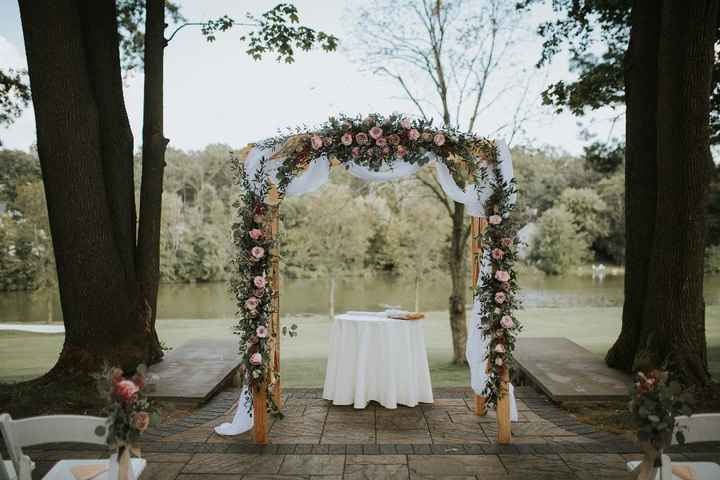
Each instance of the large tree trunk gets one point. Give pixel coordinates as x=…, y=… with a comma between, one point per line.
x=458, y=276
x=674, y=314
x=640, y=173
x=71, y=86
x=153, y=166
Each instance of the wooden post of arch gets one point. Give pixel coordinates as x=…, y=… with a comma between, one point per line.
x=504, y=434
x=477, y=224
x=275, y=317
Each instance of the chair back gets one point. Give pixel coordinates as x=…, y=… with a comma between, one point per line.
x=31, y=431
x=702, y=427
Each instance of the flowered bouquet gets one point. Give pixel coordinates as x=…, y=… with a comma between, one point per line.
x=498, y=285
x=129, y=412
x=655, y=401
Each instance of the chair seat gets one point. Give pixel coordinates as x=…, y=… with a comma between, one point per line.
x=10, y=469
x=703, y=470
x=62, y=469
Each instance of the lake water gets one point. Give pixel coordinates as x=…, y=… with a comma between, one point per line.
x=309, y=296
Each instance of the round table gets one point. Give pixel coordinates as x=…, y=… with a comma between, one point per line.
x=373, y=357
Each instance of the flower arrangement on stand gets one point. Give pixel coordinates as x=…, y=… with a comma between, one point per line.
x=130, y=414
x=655, y=401
x=498, y=287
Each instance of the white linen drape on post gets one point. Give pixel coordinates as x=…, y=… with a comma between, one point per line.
x=242, y=421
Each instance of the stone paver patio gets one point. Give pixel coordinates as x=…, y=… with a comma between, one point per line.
x=445, y=440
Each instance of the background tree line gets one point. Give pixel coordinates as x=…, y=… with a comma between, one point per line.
x=572, y=207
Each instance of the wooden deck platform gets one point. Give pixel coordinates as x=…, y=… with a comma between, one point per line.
x=567, y=372
x=194, y=371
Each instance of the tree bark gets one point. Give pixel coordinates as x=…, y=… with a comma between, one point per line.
x=640, y=173
x=674, y=314
x=153, y=167
x=102, y=323
x=458, y=277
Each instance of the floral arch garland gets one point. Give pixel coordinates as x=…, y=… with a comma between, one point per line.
x=375, y=143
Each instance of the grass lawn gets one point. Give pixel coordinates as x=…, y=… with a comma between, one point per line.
x=25, y=355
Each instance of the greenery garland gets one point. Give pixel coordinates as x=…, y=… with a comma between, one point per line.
x=375, y=142
x=498, y=286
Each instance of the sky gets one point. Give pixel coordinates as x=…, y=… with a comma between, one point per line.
x=214, y=93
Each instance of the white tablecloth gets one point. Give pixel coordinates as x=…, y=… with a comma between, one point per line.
x=373, y=357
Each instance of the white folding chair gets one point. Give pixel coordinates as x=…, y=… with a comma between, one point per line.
x=55, y=429
x=703, y=427
x=6, y=467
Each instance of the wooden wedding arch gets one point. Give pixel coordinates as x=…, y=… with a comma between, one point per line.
x=267, y=391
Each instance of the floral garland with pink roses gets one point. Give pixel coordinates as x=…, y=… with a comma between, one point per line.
x=498, y=286
x=375, y=142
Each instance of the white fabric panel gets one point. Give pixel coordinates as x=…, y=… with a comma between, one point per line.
x=477, y=346
x=506, y=166
x=400, y=169
x=372, y=357
x=242, y=421
x=472, y=196
x=313, y=178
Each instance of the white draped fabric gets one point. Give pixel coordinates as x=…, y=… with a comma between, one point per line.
x=242, y=421
x=375, y=357
x=472, y=196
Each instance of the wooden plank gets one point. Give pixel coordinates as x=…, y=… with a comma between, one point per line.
x=503, y=410
x=260, y=415
x=193, y=372
x=480, y=407
x=565, y=371
x=275, y=317
x=476, y=224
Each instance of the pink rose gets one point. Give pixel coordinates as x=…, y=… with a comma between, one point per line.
x=505, y=286
x=327, y=141
x=500, y=348
x=427, y=136
x=140, y=420
x=401, y=151
x=439, y=139
x=499, y=333
x=139, y=380
x=251, y=303
x=393, y=139
x=257, y=252
x=261, y=331
x=497, y=254
x=346, y=139
x=413, y=134
x=381, y=142
x=500, y=297
x=361, y=138
x=499, y=362
x=355, y=152
x=316, y=142
x=256, y=359
x=260, y=281
x=406, y=123
x=506, y=242
x=376, y=132
x=253, y=340
x=502, y=276
x=386, y=150
x=259, y=219
x=256, y=234
x=507, y=322
x=495, y=220
x=126, y=390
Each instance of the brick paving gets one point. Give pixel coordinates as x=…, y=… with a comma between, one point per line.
x=316, y=440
